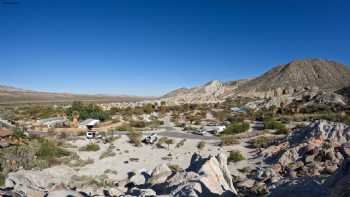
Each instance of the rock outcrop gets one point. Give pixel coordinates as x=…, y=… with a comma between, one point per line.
x=313, y=150
x=204, y=177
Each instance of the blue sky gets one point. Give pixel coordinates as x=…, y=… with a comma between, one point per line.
x=149, y=47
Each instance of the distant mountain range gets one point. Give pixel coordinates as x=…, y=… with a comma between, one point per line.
x=288, y=79
x=12, y=95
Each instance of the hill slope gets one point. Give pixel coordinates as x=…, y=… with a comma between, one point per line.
x=288, y=79
x=296, y=76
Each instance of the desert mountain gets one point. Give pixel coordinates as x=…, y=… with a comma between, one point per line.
x=11, y=95
x=289, y=79
x=297, y=76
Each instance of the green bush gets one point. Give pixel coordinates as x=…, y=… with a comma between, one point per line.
x=181, y=143
x=346, y=119
x=235, y=156
x=19, y=133
x=86, y=111
x=236, y=127
x=135, y=137
x=164, y=140
x=274, y=124
x=49, y=150
x=175, y=168
x=137, y=124
x=2, y=179
x=261, y=142
x=90, y=147
x=228, y=140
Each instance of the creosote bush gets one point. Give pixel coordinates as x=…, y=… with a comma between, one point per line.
x=181, y=143
x=236, y=128
x=135, y=137
x=227, y=140
x=90, y=147
x=261, y=142
x=235, y=156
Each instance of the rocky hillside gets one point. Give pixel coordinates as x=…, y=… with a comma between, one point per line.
x=297, y=76
x=290, y=79
x=211, y=92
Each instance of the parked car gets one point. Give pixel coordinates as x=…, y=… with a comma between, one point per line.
x=151, y=139
x=93, y=135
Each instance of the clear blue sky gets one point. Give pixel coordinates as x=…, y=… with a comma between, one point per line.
x=149, y=47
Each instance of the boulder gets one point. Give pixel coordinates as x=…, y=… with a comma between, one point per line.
x=137, y=179
x=204, y=177
x=27, y=181
x=159, y=174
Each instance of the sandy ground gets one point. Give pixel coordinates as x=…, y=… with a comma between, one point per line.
x=150, y=156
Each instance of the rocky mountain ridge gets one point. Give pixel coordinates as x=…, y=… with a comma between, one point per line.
x=291, y=79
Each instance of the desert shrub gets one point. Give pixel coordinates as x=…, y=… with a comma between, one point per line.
x=80, y=163
x=221, y=115
x=274, y=124
x=19, y=133
x=49, y=150
x=98, y=181
x=155, y=123
x=235, y=156
x=227, y=140
x=346, y=119
x=108, y=153
x=109, y=171
x=168, y=142
x=201, y=145
x=175, y=168
x=137, y=124
x=135, y=137
x=282, y=131
x=236, y=127
x=181, y=143
x=111, y=139
x=123, y=127
x=2, y=179
x=164, y=140
x=261, y=142
x=90, y=147
x=34, y=154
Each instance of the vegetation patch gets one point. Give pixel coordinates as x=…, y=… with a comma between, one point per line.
x=235, y=156
x=108, y=153
x=87, y=110
x=135, y=137
x=227, y=140
x=236, y=128
x=262, y=142
x=181, y=143
x=92, y=147
x=164, y=140
x=277, y=125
